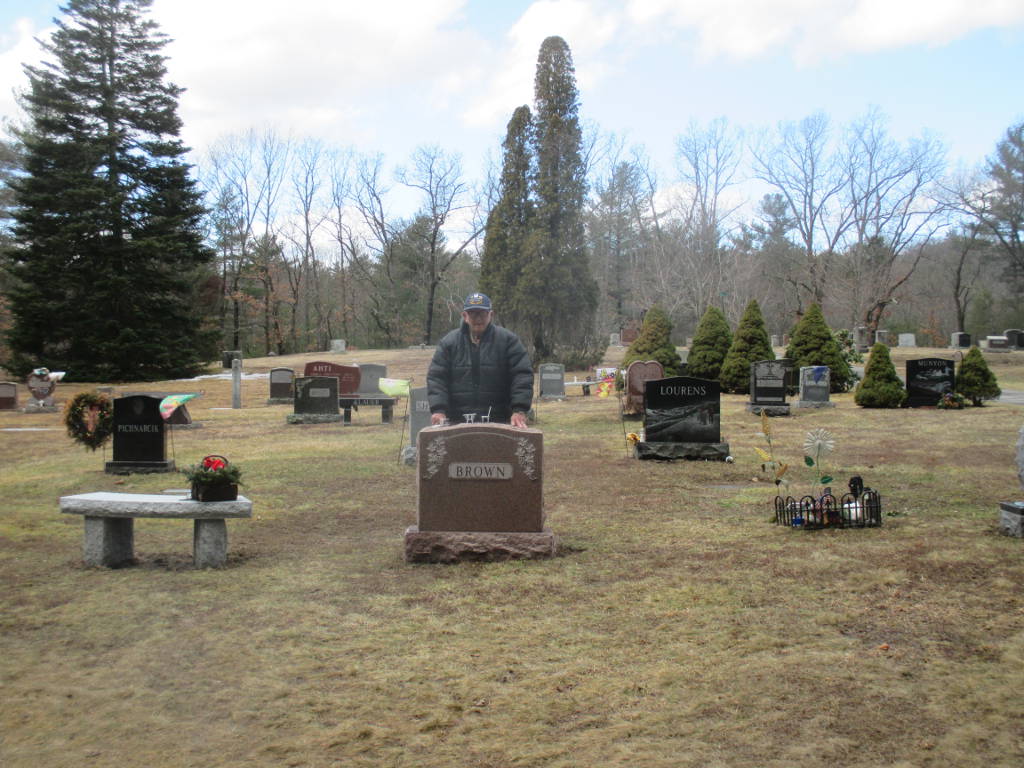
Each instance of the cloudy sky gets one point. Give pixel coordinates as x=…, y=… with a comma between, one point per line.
x=389, y=75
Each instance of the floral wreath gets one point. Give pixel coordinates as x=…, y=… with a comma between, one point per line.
x=89, y=417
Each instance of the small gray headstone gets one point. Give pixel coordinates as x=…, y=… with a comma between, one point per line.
x=882, y=337
x=814, y=387
x=615, y=340
x=8, y=396
x=776, y=340
x=419, y=418
x=370, y=375
x=907, y=340
x=316, y=400
x=552, y=380
x=997, y=343
x=338, y=345
x=860, y=338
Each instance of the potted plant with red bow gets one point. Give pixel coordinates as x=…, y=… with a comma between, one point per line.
x=214, y=479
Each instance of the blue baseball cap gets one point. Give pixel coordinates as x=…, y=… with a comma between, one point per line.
x=477, y=301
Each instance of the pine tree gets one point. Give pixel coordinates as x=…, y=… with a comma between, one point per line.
x=812, y=343
x=501, y=265
x=975, y=380
x=654, y=343
x=750, y=345
x=710, y=345
x=557, y=295
x=108, y=241
x=881, y=387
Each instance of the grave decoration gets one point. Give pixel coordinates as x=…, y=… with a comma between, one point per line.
x=214, y=479
x=1011, y=513
x=480, y=495
x=819, y=508
x=682, y=420
x=929, y=379
x=89, y=418
x=42, y=383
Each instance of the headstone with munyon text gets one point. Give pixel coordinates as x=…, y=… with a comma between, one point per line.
x=768, y=379
x=348, y=376
x=480, y=490
x=316, y=400
x=282, y=386
x=637, y=374
x=419, y=418
x=928, y=379
x=815, y=381
x=139, y=437
x=552, y=380
x=8, y=396
x=682, y=420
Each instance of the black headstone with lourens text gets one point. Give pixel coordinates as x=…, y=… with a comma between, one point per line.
x=139, y=437
x=682, y=419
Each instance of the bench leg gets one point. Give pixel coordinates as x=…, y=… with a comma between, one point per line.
x=347, y=416
x=109, y=541
x=385, y=414
x=210, y=544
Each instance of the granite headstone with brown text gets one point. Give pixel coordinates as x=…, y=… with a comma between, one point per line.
x=480, y=491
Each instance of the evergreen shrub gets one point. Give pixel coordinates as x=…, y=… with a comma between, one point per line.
x=881, y=387
x=975, y=380
x=812, y=343
x=711, y=344
x=749, y=345
x=654, y=343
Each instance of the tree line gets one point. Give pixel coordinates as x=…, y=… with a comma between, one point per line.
x=121, y=260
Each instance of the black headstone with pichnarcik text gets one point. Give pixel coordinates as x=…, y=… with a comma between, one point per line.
x=139, y=438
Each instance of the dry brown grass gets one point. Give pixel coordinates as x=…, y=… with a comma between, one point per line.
x=678, y=628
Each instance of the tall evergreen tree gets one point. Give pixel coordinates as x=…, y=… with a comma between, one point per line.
x=501, y=266
x=655, y=343
x=557, y=295
x=749, y=345
x=711, y=343
x=108, y=245
x=812, y=343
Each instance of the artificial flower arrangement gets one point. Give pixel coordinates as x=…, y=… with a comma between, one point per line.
x=951, y=401
x=214, y=479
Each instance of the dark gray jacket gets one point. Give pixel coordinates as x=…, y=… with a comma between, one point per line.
x=495, y=374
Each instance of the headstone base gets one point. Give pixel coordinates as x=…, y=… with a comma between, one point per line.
x=280, y=400
x=313, y=418
x=409, y=455
x=811, y=404
x=33, y=408
x=459, y=546
x=1011, y=518
x=551, y=397
x=190, y=425
x=138, y=467
x=670, y=451
x=771, y=410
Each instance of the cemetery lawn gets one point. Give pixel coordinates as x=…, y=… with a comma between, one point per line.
x=678, y=626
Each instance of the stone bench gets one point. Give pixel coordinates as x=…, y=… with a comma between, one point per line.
x=386, y=403
x=109, y=524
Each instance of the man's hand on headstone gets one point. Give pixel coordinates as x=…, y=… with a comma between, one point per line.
x=519, y=420
x=436, y=419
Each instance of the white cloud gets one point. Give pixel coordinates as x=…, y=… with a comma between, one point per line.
x=813, y=29
x=17, y=46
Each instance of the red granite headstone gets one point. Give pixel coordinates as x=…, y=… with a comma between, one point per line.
x=636, y=374
x=347, y=375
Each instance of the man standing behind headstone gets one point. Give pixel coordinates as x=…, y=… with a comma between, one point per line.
x=480, y=370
